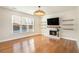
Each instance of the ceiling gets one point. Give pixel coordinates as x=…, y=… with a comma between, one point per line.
x=47, y=9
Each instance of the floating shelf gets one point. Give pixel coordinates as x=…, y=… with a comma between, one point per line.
x=68, y=29
x=68, y=20
x=67, y=24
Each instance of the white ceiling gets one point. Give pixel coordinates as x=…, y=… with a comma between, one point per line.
x=47, y=9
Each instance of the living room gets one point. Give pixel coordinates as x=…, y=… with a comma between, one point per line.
x=20, y=22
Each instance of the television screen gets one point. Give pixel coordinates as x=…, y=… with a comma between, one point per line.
x=53, y=21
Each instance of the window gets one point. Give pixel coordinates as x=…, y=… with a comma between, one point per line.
x=22, y=24
x=16, y=23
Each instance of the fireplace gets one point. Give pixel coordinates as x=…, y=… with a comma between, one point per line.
x=51, y=32
x=54, y=32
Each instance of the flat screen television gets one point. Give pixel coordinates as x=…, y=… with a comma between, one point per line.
x=53, y=21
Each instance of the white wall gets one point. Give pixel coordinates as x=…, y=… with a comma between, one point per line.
x=69, y=14
x=6, y=24
x=77, y=23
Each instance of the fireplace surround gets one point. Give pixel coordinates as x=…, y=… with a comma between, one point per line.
x=54, y=32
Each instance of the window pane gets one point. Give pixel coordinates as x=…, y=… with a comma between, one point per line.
x=16, y=27
x=30, y=26
x=16, y=19
x=23, y=20
x=24, y=28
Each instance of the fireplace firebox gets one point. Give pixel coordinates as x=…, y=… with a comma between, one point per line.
x=51, y=32
x=54, y=32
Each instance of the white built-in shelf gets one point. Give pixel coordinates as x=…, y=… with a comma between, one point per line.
x=67, y=28
x=68, y=20
x=67, y=24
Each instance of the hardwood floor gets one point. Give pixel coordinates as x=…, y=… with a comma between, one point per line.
x=39, y=44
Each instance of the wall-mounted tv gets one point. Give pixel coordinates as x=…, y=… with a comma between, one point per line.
x=53, y=21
